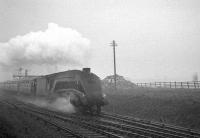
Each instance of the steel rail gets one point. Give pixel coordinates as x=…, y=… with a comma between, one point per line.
x=178, y=128
x=113, y=125
x=166, y=129
x=117, y=128
x=68, y=131
x=102, y=129
x=113, y=128
x=131, y=128
x=45, y=112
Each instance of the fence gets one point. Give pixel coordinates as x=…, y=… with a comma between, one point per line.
x=186, y=85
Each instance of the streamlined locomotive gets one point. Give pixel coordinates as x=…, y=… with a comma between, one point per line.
x=81, y=86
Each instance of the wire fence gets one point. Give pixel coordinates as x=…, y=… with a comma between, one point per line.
x=185, y=85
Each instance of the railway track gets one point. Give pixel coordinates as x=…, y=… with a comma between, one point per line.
x=105, y=125
x=163, y=130
x=70, y=127
x=82, y=127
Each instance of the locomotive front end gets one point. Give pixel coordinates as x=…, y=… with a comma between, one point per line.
x=83, y=89
x=95, y=98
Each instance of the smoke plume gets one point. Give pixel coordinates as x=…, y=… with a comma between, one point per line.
x=52, y=47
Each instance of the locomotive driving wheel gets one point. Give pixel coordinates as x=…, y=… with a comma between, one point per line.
x=96, y=109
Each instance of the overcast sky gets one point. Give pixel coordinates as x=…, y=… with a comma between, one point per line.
x=158, y=40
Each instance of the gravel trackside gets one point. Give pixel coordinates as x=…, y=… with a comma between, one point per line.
x=15, y=124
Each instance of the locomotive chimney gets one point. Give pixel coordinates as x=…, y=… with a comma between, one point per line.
x=86, y=70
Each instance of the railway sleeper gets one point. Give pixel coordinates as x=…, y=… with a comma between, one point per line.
x=156, y=128
x=144, y=131
x=187, y=131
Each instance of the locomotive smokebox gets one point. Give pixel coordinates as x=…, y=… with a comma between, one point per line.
x=86, y=70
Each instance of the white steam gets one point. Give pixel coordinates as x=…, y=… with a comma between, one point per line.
x=59, y=104
x=63, y=104
x=54, y=46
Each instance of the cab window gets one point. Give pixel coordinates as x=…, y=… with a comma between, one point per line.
x=69, y=85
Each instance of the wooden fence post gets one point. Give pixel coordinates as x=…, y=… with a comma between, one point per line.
x=175, y=84
x=188, y=85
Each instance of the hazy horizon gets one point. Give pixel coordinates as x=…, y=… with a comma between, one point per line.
x=158, y=40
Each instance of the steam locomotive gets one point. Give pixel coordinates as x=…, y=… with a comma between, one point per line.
x=81, y=86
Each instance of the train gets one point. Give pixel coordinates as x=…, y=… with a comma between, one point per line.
x=82, y=87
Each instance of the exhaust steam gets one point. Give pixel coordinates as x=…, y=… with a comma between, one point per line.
x=59, y=104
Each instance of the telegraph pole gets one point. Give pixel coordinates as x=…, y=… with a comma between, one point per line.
x=113, y=44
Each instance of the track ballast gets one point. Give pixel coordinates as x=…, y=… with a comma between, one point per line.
x=104, y=125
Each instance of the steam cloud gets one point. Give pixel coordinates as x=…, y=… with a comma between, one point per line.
x=59, y=104
x=54, y=46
